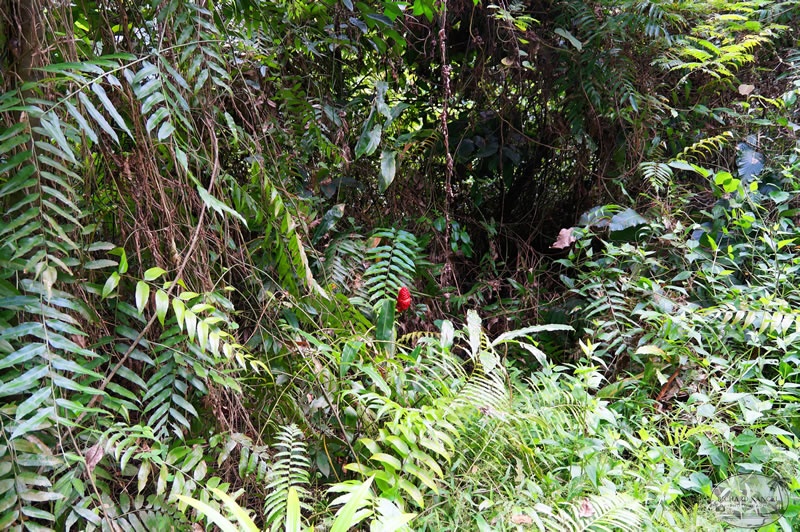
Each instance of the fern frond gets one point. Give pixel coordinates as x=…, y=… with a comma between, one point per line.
x=657, y=175
x=290, y=470
x=393, y=263
x=760, y=320
x=489, y=394
x=706, y=147
x=343, y=263
x=282, y=242
x=410, y=339
x=613, y=512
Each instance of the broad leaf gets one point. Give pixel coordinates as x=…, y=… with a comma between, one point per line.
x=142, y=295
x=369, y=141
x=388, y=168
x=625, y=219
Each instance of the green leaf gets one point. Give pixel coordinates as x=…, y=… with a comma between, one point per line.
x=388, y=168
x=97, y=116
x=346, y=517
x=84, y=125
x=165, y=131
x=162, y=305
x=154, y=273
x=143, y=476
x=42, y=416
x=413, y=491
x=156, y=118
x=241, y=515
x=202, y=334
x=422, y=475
x=123, y=259
x=25, y=381
x=387, y=460
x=384, y=331
x=218, y=206
x=142, y=295
x=24, y=354
x=179, y=308
x=570, y=37
x=526, y=331
x=293, y=522
x=625, y=219
x=110, y=108
x=111, y=284
x=99, y=264
x=213, y=515
x=32, y=403
x=190, y=318
x=369, y=140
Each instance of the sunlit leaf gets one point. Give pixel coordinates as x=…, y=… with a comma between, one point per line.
x=142, y=295
x=111, y=284
x=162, y=305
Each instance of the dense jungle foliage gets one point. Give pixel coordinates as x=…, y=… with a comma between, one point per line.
x=209, y=211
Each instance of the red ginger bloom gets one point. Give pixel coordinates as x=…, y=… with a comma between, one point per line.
x=403, y=299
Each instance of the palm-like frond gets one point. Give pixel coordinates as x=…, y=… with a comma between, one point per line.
x=598, y=514
x=289, y=470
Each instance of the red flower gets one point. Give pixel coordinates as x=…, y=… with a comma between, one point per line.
x=403, y=299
